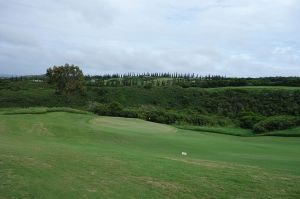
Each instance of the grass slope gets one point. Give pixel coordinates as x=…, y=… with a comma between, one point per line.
x=67, y=155
x=40, y=110
x=221, y=130
x=293, y=132
x=237, y=131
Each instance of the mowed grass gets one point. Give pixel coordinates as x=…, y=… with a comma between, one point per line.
x=67, y=155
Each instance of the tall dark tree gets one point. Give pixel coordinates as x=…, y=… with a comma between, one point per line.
x=67, y=79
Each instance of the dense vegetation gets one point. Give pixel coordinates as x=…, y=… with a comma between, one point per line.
x=260, y=107
x=67, y=79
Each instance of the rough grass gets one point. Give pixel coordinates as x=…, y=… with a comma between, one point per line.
x=220, y=130
x=40, y=110
x=293, y=132
x=236, y=131
x=66, y=155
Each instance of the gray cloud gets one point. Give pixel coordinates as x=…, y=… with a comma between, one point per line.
x=230, y=37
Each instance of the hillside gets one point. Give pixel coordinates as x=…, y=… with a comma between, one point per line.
x=83, y=155
x=261, y=109
x=227, y=101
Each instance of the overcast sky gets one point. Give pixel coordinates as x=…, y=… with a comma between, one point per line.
x=227, y=37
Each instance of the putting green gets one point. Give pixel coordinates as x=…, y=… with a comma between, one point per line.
x=67, y=155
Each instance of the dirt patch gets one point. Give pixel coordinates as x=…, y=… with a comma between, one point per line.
x=214, y=164
x=161, y=184
x=41, y=129
x=26, y=161
x=3, y=127
x=92, y=190
x=205, y=163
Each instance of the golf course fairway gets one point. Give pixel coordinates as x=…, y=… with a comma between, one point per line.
x=67, y=155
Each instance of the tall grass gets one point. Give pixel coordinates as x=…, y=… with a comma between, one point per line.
x=42, y=110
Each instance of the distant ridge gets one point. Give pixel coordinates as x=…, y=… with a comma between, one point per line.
x=5, y=75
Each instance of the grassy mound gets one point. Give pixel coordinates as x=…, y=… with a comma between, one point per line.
x=66, y=155
x=40, y=110
x=221, y=130
x=292, y=132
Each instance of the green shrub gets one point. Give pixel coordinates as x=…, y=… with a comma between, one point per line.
x=206, y=120
x=148, y=86
x=170, y=117
x=129, y=114
x=276, y=123
x=97, y=108
x=161, y=117
x=249, y=119
x=115, y=109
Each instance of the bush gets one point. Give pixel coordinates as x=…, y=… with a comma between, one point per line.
x=115, y=109
x=129, y=114
x=148, y=86
x=248, y=120
x=169, y=117
x=100, y=109
x=205, y=120
x=161, y=117
x=276, y=123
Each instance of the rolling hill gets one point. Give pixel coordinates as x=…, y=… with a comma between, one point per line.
x=71, y=155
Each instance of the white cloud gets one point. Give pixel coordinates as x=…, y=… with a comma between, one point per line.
x=232, y=37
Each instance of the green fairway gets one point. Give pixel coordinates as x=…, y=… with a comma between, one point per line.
x=68, y=155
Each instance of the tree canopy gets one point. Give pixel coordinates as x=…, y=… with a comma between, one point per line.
x=67, y=79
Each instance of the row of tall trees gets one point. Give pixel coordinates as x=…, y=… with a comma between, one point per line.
x=190, y=82
x=156, y=75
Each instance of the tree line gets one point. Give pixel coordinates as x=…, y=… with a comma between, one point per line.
x=69, y=78
x=156, y=75
x=186, y=82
